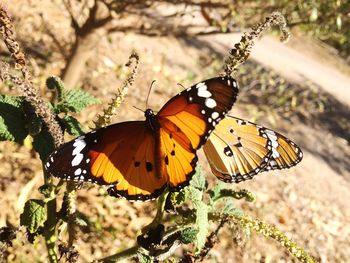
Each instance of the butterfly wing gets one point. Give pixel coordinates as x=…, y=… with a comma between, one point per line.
x=141, y=158
x=239, y=149
x=122, y=155
x=186, y=122
x=285, y=153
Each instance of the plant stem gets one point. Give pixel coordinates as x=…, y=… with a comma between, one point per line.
x=50, y=230
x=160, y=211
x=125, y=254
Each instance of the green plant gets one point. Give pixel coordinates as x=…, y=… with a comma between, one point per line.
x=196, y=207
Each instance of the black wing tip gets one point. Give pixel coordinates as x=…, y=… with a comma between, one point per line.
x=139, y=197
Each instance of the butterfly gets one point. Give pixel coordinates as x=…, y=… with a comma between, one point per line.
x=138, y=159
x=237, y=150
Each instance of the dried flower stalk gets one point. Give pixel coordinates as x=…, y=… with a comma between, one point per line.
x=105, y=119
x=241, y=51
x=25, y=85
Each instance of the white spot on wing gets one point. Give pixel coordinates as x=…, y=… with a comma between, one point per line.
x=210, y=103
x=271, y=135
x=78, y=145
x=203, y=92
x=77, y=171
x=275, y=153
x=215, y=115
x=200, y=84
x=273, y=162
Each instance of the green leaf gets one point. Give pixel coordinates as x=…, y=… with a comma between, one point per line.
x=142, y=258
x=188, y=235
x=34, y=215
x=202, y=222
x=43, y=144
x=12, y=119
x=56, y=83
x=73, y=126
x=177, y=198
x=196, y=189
x=239, y=194
x=75, y=101
x=215, y=193
x=231, y=210
x=198, y=181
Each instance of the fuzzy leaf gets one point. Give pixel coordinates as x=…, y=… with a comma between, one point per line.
x=239, y=194
x=215, y=193
x=198, y=181
x=72, y=126
x=202, y=222
x=34, y=215
x=43, y=144
x=177, y=198
x=142, y=258
x=56, y=83
x=188, y=235
x=75, y=101
x=12, y=119
x=231, y=210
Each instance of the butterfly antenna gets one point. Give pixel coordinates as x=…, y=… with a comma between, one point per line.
x=182, y=86
x=138, y=109
x=149, y=92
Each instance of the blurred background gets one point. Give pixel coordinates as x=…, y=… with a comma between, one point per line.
x=301, y=89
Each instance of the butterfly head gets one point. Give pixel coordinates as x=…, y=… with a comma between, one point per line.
x=149, y=113
x=151, y=120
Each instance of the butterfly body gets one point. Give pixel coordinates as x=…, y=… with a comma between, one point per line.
x=140, y=158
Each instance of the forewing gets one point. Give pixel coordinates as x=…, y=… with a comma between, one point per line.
x=285, y=153
x=122, y=155
x=196, y=111
x=186, y=122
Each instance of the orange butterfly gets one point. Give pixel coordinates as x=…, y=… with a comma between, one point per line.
x=238, y=149
x=140, y=158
